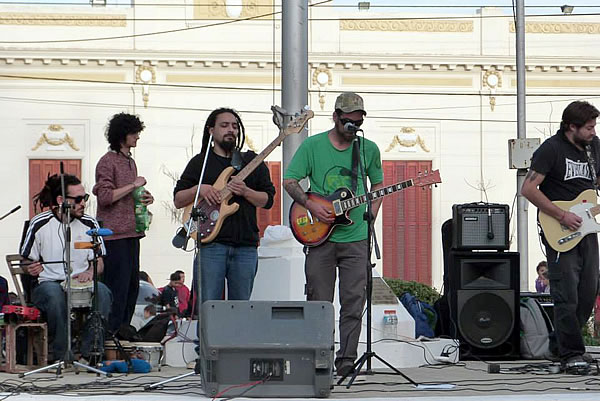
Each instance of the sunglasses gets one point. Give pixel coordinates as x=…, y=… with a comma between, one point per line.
x=78, y=199
x=357, y=123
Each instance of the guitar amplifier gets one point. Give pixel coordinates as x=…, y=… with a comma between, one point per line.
x=480, y=226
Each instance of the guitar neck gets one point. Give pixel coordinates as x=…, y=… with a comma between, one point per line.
x=373, y=195
x=254, y=163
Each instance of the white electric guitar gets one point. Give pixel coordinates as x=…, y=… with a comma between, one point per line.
x=561, y=238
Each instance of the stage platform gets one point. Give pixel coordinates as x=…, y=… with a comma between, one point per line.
x=466, y=380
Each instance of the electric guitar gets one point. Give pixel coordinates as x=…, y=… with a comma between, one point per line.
x=310, y=231
x=211, y=217
x=561, y=238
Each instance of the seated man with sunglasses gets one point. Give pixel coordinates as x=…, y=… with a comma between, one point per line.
x=44, y=244
x=329, y=161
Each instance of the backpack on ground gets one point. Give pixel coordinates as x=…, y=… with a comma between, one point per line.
x=535, y=330
x=420, y=311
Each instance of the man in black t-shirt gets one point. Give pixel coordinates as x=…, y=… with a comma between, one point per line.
x=232, y=255
x=560, y=170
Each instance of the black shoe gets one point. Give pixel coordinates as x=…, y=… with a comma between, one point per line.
x=345, y=371
x=576, y=365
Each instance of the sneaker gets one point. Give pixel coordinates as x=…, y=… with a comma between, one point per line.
x=589, y=358
x=575, y=365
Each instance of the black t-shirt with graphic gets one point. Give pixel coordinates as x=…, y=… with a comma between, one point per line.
x=565, y=167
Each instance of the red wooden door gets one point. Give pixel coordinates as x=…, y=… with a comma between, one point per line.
x=41, y=169
x=271, y=217
x=406, y=218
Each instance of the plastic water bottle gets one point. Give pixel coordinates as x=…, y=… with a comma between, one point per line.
x=142, y=221
x=390, y=324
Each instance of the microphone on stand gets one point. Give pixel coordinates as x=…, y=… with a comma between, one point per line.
x=350, y=127
x=100, y=232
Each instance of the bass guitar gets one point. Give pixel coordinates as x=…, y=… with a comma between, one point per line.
x=310, y=231
x=211, y=217
x=561, y=238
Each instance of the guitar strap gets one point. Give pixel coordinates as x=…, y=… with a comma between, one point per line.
x=236, y=160
x=355, y=159
x=592, y=166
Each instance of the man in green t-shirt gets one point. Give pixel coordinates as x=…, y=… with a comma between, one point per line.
x=327, y=160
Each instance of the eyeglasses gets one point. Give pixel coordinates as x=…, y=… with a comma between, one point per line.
x=78, y=199
x=357, y=123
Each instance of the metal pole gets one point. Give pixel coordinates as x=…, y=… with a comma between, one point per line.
x=294, y=76
x=522, y=220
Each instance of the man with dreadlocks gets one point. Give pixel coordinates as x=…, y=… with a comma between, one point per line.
x=232, y=255
x=44, y=242
x=116, y=179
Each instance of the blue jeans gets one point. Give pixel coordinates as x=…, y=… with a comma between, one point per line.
x=50, y=298
x=236, y=264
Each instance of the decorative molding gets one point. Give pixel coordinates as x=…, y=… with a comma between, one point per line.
x=105, y=20
x=492, y=80
x=407, y=139
x=55, y=137
x=145, y=82
x=587, y=28
x=416, y=25
x=317, y=80
x=217, y=9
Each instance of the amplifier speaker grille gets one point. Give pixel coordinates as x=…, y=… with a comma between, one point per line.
x=480, y=226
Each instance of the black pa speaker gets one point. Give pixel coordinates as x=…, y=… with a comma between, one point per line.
x=484, y=303
x=480, y=226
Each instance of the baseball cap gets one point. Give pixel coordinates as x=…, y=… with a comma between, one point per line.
x=349, y=102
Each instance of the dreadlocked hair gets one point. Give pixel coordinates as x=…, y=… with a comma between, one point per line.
x=210, y=123
x=51, y=190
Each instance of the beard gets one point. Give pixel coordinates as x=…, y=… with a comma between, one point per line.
x=227, y=146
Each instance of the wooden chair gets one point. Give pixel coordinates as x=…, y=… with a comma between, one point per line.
x=37, y=333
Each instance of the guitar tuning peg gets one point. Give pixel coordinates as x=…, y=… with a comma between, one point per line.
x=306, y=107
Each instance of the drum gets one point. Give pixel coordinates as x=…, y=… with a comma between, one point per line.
x=81, y=294
x=150, y=352
x=111, y=352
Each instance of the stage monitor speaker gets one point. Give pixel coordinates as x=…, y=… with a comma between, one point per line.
x=480, y=226
x=267, y=348
x=484, y=303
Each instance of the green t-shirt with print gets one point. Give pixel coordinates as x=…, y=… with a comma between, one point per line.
x=329, y=169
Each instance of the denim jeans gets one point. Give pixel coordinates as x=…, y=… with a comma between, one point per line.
x=50, y=298
x=220, y=262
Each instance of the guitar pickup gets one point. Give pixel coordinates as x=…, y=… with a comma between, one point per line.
x=569, y=238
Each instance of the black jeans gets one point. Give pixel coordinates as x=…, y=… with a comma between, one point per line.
x=121, y=276
x=573, y=279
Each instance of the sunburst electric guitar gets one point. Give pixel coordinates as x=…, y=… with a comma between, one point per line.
x=561, y=238
x=310, y=231
x=211, y=217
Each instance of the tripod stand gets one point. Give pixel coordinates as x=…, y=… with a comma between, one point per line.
x=369, y=218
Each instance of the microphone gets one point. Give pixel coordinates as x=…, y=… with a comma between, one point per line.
x=350, y=127
x=11, y=212
x=100, y=232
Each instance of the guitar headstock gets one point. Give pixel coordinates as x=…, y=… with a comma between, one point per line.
x=295, y=125
x=427, y=178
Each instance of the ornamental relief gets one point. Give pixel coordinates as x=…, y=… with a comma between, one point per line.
x=460, y=26
x=106, y=20
x=559, y=27
x=232, y=9
x=56, y=138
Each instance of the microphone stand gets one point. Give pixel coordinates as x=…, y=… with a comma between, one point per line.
x=192, y=225
x=371, y=238
x=9, y=213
